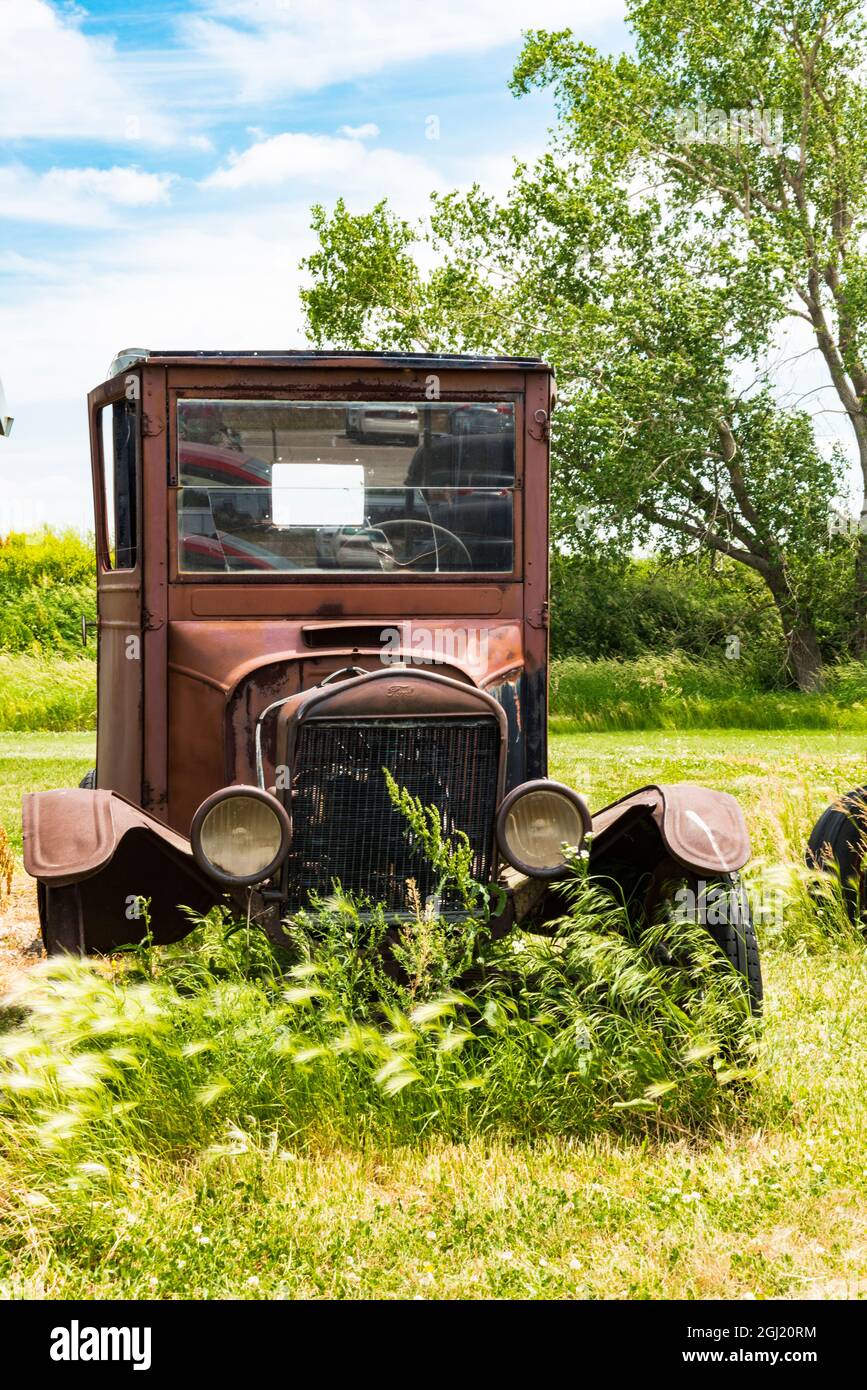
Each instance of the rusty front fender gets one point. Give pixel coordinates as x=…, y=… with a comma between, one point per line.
x=95, y=855
x=701, y=829
x=654, y=833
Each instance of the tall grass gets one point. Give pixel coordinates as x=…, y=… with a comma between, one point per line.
x=37, y=693
x=652, y=692
x=579, y=1115
x=177, y=1049
x=680, y=692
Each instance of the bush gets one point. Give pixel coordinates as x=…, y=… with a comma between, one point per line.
x=607, y=606
x=47, y=582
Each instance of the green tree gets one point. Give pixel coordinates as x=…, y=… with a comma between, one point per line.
x=694, y=197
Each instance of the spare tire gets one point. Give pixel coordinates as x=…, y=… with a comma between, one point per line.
x=838, y=845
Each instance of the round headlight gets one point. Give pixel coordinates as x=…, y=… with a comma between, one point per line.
x=535, y=821
x=240, y=835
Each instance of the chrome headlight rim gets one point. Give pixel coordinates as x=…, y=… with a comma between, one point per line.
x=227, y=794
x=539, y=784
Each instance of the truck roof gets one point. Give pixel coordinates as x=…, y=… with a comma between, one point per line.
x=325, y=357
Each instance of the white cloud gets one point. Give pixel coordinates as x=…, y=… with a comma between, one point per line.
x=303, y=45
x=129, y=187
x=317, y=161
x=59, y=83
x=368, y=131
x=208, y=284
x=13, y=263
x=77, y=197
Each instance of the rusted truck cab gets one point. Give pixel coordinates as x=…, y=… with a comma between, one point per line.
x=312, y=567
x=274, y=524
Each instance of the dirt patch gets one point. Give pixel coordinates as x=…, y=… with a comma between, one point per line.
x=20, y=940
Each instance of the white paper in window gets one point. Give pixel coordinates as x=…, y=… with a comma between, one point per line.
x=317, y=494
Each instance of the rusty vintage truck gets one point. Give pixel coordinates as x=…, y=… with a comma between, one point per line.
x=313, y=566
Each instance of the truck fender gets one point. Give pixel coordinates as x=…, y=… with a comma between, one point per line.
x=701, y=829
x=96, y=856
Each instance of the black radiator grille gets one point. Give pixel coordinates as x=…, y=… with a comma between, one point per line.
x=344, y=824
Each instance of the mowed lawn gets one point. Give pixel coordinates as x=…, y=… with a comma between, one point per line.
x=772, y=1206
x=37, y=762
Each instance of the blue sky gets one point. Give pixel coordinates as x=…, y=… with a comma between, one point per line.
x=158, y=161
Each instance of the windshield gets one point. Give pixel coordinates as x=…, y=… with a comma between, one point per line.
x=323, y=486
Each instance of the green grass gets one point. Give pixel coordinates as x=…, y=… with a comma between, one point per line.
x=38, y=762
x=677, y=692
x=221, y=1183
x=57, y=694
x=782, y=780
x=769, y=1206
x=673, y=692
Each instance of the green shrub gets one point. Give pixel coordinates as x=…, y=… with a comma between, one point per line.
x=47, y=582
x=607, y=606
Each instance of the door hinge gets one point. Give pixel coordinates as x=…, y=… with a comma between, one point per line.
x=539, y=616
x=150, y=622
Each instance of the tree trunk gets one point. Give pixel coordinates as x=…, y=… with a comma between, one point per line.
x=803, y=655
x=850, y=383
x=805, y=658
x=858, y=640
x=859, y=627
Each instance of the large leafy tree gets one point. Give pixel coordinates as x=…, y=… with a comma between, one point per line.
x=694, y=197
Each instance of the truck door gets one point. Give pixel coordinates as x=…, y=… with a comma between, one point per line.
x=116, y=458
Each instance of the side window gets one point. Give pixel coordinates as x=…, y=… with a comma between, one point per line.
x=118, y=427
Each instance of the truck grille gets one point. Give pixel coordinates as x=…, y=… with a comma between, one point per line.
x=346, y=828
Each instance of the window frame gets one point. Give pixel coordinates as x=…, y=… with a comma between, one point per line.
x=337, y=397
x=130, y=383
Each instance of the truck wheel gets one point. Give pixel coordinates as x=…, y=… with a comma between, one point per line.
x=88, y=781
x=838, y=844
x=724, y=900
x=61, y=918
x=736, y=937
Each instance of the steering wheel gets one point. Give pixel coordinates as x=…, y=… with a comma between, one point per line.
x=450, y=539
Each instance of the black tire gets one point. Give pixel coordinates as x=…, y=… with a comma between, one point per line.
x=723, y=906
x=736, y=937
x=838, y=845
x=61, y=918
